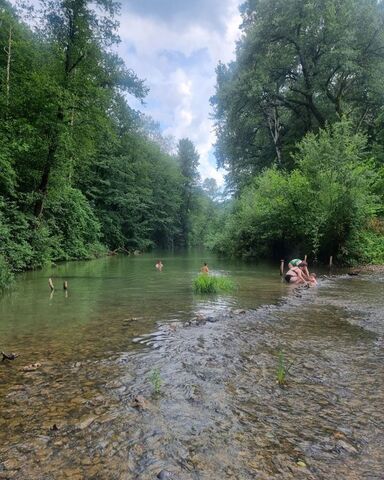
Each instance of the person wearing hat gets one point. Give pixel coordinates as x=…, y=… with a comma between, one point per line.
x=296, y=262
x=295, y=275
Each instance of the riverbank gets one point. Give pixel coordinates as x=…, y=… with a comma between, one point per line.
x=220, y=412
x=369, y=269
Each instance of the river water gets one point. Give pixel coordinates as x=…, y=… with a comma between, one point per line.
x=136, y=374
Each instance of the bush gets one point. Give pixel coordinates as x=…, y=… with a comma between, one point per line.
x=6, y=276
x=74, y=228
x=321, y=208
x=212, y=284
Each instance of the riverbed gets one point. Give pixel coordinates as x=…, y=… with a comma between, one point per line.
x=138, y=375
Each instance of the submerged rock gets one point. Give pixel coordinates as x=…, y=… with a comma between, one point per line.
x=86, y=422
x=140, y=402
x=9, y=356
x=165, y=475
x=31, y=367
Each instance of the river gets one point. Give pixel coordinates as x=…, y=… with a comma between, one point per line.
x=136, y=374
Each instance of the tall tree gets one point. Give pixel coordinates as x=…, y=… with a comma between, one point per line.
x=81, y=72
x=299, y=65
x=188, y=158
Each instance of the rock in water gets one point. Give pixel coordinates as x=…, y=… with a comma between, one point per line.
x=165, y=475
x=140, y=403
x=31, y=368
x=9, y=356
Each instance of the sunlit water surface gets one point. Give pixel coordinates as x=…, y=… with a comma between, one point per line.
x=220, y=413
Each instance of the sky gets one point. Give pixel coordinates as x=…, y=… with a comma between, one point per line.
x=175, y=45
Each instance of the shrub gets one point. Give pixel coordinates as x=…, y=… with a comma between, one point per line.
x=6, y=276
x=321, y=208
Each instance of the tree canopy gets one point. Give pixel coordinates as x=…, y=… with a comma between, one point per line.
x=299, y=123
x=299, y=65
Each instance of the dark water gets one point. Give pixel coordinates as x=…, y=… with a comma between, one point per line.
x=220, y=413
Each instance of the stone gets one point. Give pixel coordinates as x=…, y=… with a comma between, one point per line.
x=140, y=402
x=31, y=367
x=8, y=475
x=11, y=464
x=86, y=421
x=346, y=446
x=165, y=475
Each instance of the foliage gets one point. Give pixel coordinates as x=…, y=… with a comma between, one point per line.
x=319, y=208
x=156, y=380
x=189, y=160
x=205, y=283
x=6, y=276
x=299, y=65
x=281, y=372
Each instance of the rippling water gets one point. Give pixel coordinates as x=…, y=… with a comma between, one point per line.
x=90, y=411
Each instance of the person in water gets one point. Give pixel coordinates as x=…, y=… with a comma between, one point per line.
x=204, y=268
x=295, y=275
x=313, y=279
x=159, y=265
x=296, y=262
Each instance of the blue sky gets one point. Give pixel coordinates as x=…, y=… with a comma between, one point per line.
x=175, y=45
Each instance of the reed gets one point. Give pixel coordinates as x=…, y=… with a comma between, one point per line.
x=212, y=284
x=281, y=370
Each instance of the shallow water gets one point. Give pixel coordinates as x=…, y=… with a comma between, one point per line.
x=220, y=413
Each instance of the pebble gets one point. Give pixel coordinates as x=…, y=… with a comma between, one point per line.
x=165, y=475
x=8, y=475
x=11, y=464
x=86, y=422
x=346, y=446
x=140, y=402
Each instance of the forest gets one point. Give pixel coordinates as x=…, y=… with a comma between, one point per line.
x=81, y=172
x=299, y=124
x=299, y=121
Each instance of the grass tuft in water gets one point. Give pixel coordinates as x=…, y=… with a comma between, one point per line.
x=281, y=370
x=156, y=380
x=212, y=284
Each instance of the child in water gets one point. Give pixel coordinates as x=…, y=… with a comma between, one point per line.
x=159, y=265
x=204, y=268
x=312, y=280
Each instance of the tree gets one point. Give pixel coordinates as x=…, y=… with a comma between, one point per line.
x=188, y=159
x=299, y=65
x=320, y=208
x=81, y=73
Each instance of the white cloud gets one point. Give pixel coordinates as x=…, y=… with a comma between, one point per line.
x=178, y=61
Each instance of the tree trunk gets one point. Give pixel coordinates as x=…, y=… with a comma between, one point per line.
x=274, y=129
x=43, y=187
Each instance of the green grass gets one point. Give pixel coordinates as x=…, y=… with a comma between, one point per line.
x=281, y=370
x=212, y=284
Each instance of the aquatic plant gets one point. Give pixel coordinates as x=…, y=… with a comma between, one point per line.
x=212, y=284
x=156, y=380
x=282, y=370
